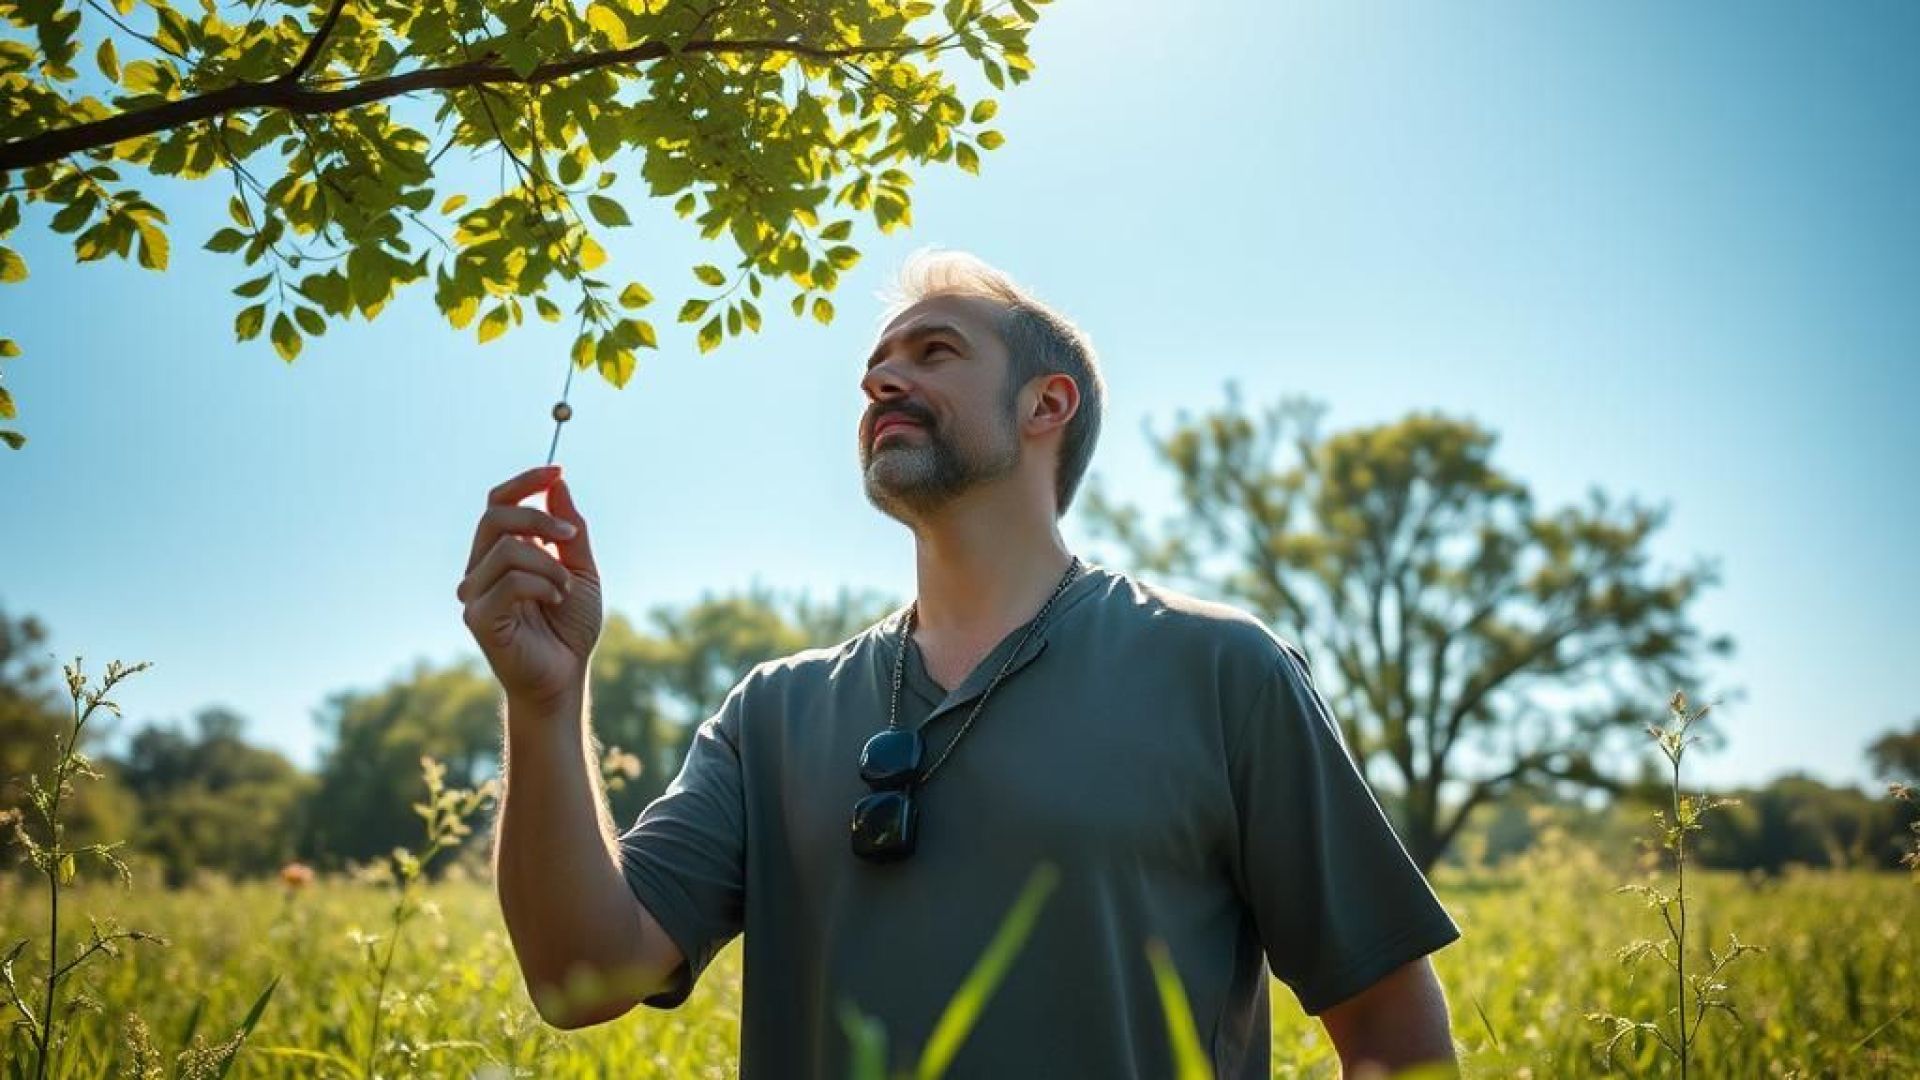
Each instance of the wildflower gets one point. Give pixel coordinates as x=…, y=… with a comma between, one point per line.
x=296, y=876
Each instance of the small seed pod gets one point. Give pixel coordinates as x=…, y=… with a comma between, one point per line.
x=562, y=412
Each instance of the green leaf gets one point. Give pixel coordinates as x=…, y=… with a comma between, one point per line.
x=751, y=314
x=547, y=308
x=153, y=246
x=309, y=320
x=13, y=439
x=463, y=311
x=616, y=364
x=710, y=275
x=247, y=1025
x=686, y=205
x=6, y=405
x=843, y=257
x=822, y=310
x=641, y=332
x=967, y=157
x=984, y=110
x=604, y=19
x=493, y=323
x=692, y=310
x=108, y=61
x=226, y=241
x=286, y=340
x=8, y=347
x=709, y=338
x=454, y=202
x=991, y=140
x=635, y=295
x=253, y=286
x=607, y=212
x=246, y=325
x=143, y=77
x=591, y=254
x=66, y=868
x=12, y=266
x=839, y=230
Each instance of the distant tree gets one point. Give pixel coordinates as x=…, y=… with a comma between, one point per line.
x=1796, y=819
x=1466, y=640
x=651, y=688
x=211, y=800
x=330, y=120
x=1895, y=755
x=369, y=773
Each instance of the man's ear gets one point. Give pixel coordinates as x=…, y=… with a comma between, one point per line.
x=1055, y=401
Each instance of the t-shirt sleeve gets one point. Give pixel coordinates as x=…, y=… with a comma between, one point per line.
x=1337, y=901
x=685, y=856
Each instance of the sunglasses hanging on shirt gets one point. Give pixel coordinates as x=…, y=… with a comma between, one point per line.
x=885, y=825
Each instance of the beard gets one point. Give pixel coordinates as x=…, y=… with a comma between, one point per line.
x=912, y=475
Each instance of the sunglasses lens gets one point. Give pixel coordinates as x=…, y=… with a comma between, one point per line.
x=883, y=826
x=891, y=759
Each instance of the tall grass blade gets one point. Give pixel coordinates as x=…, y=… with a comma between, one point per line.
x=1189, y=1061
x=965, y=1007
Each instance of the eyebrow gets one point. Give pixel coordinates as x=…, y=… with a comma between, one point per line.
x=915, y=333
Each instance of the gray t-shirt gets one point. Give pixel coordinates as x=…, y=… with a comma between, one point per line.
x=1170, y=756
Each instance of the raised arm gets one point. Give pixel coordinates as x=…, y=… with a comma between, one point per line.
x=587, y=946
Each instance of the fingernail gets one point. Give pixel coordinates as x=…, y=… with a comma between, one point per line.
x=567, y=529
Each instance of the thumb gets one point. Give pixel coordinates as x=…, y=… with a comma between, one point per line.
x=576, y=553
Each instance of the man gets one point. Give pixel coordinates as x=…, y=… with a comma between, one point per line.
x=1168, y=757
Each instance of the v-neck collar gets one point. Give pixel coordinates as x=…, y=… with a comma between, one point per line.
x=917, y=681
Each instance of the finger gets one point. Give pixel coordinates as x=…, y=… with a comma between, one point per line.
x=500, y=521
x=523, y=485
x=576, y=553
x=513, y=555
x=496, y=603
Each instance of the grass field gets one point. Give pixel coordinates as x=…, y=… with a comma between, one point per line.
x=1836, y=993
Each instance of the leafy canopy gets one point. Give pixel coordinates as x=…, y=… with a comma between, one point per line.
x=776, y=125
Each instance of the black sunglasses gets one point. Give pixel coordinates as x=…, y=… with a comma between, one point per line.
x=884, y=825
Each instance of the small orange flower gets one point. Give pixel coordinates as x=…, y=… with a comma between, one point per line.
x=296, y=875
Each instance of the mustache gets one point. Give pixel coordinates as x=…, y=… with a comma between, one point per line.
x=907, y=412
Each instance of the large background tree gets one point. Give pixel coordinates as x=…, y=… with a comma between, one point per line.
x=773, y=123
x=208, y=798
x=1467, y=642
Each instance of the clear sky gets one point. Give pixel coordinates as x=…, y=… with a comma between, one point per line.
x=1671, y=250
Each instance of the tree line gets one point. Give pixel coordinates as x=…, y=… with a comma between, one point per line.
x=1479, y=652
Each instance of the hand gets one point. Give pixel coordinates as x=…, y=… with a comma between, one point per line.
x=535, y=617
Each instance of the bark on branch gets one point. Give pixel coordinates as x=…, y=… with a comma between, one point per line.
x=283, y=94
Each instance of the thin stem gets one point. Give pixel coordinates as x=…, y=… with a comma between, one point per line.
x=1680, y=859
x=53, y=891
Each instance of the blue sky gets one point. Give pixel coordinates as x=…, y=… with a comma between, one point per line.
x=1670, y=250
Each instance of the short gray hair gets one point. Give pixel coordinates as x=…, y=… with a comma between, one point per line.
x=1039, y=341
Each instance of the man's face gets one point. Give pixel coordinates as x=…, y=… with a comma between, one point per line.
x=937, y=401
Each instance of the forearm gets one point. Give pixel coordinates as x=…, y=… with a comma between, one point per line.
x=568, y=909
x=1398, y=1023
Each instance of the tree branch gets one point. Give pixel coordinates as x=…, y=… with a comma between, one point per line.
x=281, y=94
x=318, y=41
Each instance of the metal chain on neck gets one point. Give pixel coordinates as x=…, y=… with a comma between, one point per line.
x=900, y=663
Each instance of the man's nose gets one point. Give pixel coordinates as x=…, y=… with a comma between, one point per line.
x=882, y=382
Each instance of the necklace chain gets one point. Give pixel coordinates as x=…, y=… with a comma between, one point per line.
x=900, y=661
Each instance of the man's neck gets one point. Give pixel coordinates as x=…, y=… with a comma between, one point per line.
x=983, y=570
